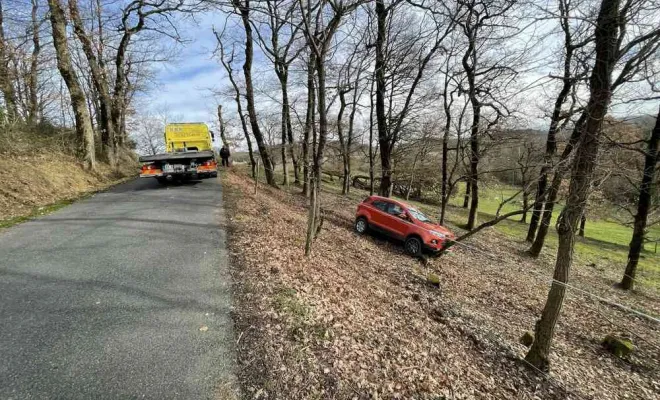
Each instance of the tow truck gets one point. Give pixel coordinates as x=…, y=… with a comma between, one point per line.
x=188, y=154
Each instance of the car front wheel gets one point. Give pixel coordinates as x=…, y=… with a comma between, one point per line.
x=361, y=225
x=413, y=246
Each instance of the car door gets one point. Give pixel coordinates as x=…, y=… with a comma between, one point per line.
x=379, y=214
x=397, y=225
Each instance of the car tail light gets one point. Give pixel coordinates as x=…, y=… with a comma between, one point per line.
x=209, y=163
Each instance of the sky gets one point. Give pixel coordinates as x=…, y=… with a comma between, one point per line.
x=183, y=87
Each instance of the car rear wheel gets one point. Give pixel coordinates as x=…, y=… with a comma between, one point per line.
x=413, y=246
x=361, y=225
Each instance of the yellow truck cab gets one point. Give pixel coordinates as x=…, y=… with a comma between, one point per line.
x=189, y=154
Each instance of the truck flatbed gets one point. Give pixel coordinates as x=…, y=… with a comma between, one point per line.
x=178, y=156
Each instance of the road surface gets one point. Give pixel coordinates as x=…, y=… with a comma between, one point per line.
x=124, y=295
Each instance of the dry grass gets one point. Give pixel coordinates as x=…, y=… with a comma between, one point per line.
x=357, y=319
x=37, y=171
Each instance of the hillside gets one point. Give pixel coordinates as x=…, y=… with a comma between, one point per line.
x=357, y=319
x=40, y=173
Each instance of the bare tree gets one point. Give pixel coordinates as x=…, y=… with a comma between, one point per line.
x=242, y=7
x=600, y=87
x=148, y=133
x=221, y=125
x=572, y=72
x=139, y=16
x=651, y=159
x=84, y=129
x=635, y=50
x=310, y=124
x=6, y=84
x=399, y=71
x=479, y=21
x=33, y=74
x=319, y=39
x=284, y=33
x=100, y=83
x=349, y=81
x=227, y=63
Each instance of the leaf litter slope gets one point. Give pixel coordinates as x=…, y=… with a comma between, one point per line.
x=357, y=319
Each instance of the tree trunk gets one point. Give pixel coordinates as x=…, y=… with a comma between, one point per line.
x=33, y=76
x=84, y=129
x=100, y=83
x=444, y=197
x=221, y=125
x=474, y=182
x=643, y=206
x=551, y=143
x=286, y=110
x=309, y=124
x=371, y=139
x=283, y=127
x=318, y=156
x=119, y=92
x=311, y=216
x=466, y=198
x=239, y=110
x=474, y=154
x=6, y=84
x=249, y=93
x=381, y=118
x=582, y=174
x=553, y=191
x=523, y=219
x=349, y=139
x=342, y=138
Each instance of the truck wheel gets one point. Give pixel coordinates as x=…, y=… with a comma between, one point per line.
x=361, y=225
x=162, y=180
x=413, y=246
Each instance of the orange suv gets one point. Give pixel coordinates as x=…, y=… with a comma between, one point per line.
x=400, y=221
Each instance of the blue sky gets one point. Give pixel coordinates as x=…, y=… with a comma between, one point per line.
x=184, y=86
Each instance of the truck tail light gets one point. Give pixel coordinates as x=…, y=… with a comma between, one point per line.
x=208, y=165
x=150, y=169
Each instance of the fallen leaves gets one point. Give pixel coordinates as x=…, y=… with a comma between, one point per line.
x=358, y=319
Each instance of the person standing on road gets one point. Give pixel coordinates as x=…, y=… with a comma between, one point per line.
x=224, y=154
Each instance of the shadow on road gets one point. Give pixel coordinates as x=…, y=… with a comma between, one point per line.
x=176, y=302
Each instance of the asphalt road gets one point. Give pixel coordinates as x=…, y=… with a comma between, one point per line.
x=105, y=298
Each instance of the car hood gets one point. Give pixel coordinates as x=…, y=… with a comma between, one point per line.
x=437, y=228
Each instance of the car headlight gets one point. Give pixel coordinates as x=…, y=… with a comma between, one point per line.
x=438, y=234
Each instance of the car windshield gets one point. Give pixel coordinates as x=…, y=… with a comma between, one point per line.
x=418, y=215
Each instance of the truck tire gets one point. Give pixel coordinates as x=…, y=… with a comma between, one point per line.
x=162, y=180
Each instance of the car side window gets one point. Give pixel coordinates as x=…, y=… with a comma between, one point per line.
x=381, y=205
x=395, y=209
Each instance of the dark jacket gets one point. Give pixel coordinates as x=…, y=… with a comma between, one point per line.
x=224, y=152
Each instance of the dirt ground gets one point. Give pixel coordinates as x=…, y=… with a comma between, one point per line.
x=357, y=319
